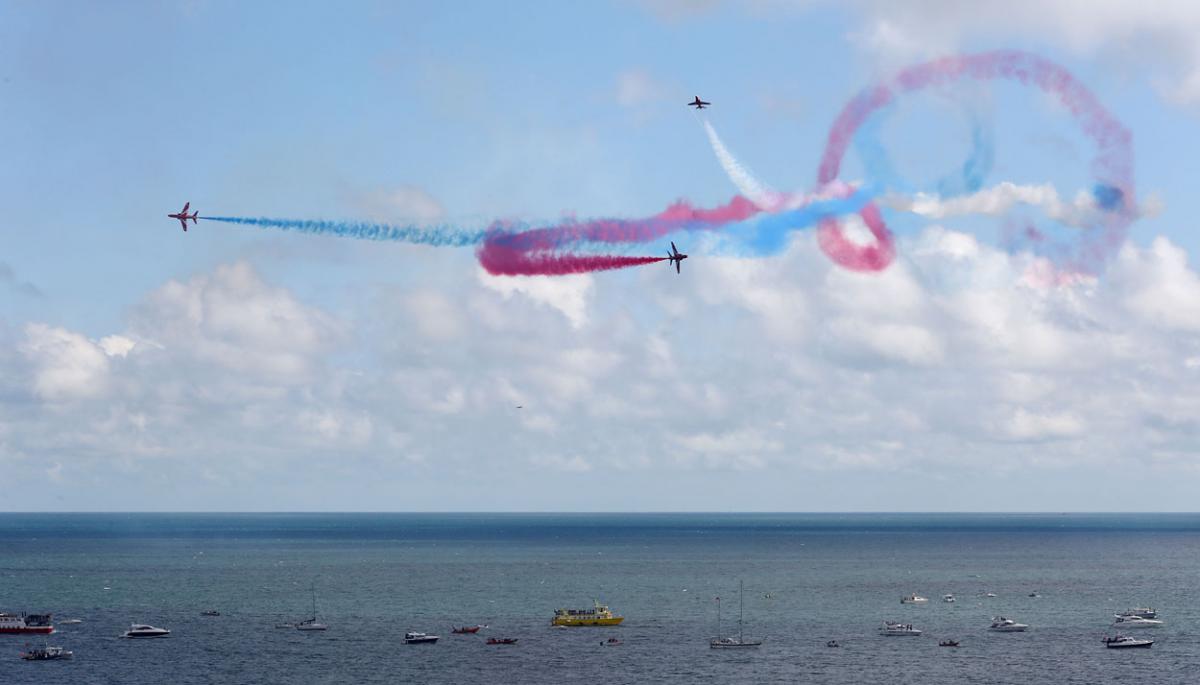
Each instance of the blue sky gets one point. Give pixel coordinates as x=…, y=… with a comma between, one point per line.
x=144, y=365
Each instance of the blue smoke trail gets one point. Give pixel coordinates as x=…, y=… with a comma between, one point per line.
x=968, y=178
x=442, y=236
x=768, y=234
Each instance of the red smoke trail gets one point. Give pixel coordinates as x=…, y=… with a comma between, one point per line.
x=1112, y=166
x=537, y=252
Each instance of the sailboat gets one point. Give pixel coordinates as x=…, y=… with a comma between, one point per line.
x=739, y=642
x=312, y=623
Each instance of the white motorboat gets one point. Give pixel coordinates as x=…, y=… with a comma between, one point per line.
x=70, y=621
x=1122, y=641
x=141, y=630
x=891, y=628
x=914, y=598
x=1136, y=622
x=949, y=599
x=414, y=638
x=1001, y=624
x=739, y=642
x=1140, y=612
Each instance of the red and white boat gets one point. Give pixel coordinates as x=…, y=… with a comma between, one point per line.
x=466, y=630
x=38, y=624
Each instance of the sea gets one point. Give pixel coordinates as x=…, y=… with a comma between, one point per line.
x=807, y=578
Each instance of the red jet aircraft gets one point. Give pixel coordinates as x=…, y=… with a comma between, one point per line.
x=183, y=215
x=675, y=256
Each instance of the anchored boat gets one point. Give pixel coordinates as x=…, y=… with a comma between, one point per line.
x=739, y=642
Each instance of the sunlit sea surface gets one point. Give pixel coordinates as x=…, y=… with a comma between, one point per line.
x=808, y=578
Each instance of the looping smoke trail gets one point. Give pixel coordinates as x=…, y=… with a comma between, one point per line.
x=1112, y=166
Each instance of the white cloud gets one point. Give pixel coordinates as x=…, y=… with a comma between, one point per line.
x=403, y=203
x=66, y=365
x=567, y=294
x=952, y=362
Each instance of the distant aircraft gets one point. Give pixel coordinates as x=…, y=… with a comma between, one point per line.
x=698, y=103
x=183, y=215
x=520, y=406
x=674, y=256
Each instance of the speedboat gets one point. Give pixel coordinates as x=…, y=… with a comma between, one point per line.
x=466, y=630
x=1140, y=612
x=1136, y=622
x=949, y=599
x=285, y=625
x=891, y=628
x=46, y=654
x=1007, y=625
x=311, y=624
x=989, y=594
x=502, y=641
x=210, y=612
x=141, y=630
x=948, y=643
x=70, y=621
x=914, y=598
x=414, y=638
x=1122, y=641
x=614, y=642
x=832, y=643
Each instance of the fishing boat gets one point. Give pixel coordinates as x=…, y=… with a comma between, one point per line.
x=502, y=640
x=948, y=643
x=598, y=615
x=312, y=623
x=46, y=654
x=1001, y=624
x=894, y=629
x=739, y=642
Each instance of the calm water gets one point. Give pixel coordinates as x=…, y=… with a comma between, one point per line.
x=808, y=578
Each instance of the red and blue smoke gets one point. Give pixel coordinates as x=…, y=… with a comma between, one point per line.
x=762, y=220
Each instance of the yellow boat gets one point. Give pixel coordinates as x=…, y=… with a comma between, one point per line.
x=600, y=615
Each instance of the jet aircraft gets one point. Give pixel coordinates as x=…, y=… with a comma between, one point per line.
x=674, y=256
x=183, y=215
x=698, y=103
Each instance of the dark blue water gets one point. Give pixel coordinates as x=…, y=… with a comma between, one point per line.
x=809, y=578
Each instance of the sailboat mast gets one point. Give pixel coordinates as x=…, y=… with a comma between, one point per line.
x=718, y=617
x=741, y=594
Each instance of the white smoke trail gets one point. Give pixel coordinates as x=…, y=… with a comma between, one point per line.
x=1080, y=212
x=764, y=197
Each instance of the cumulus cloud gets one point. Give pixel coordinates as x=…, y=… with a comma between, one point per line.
x=951, y=362
x=566, y=294
x=66, y=365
